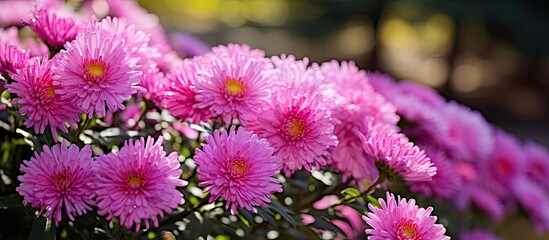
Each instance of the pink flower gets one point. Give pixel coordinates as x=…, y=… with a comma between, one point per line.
x=445, y=183
x=469, y=137
x=155, y=84
x=57, y=179
x=95, y=72
x=537, y=158
x=12, y=58
x=234, y=87
x=297, y=123
x=138, y=183
x=40, y=99
x=478, y=234
x=480, y=197
x=179, y=96
x=395, y=156
x=238, y=166
x=533, y=200
x=357, y=107
x=51, y=28
x=401, y=219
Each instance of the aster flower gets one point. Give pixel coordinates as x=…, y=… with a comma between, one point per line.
x=401, y=219
x=235, y=87
x=481, y=197
x=357, y=107
x=57, y=179
x=237, y=166
x=445, y=183
x=468, y=137
x=155, y=84
x=533, y=200
x=51, y=28
x=179, y=96
x=40, y=100
x=12, y=58
x=138, y=183
x=96, y=72
x=478, y=234
x=537, y=166
x=395, y=156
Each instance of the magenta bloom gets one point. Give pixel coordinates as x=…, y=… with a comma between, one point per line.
x=357, y=106
x=533, y=200
x=238, y=166
x=299, y=129
x=57, y=179
x=478, y=234
x=40, y=100
x=234, y=87
x=401, y=219
x=138, y=183
x=12, y=58
x=537, y=158
x=51, y=28
x=179, y=96
x=96, y=72
x=155, y=84
x=469, y=137
x=395, y=156
x=445, y=183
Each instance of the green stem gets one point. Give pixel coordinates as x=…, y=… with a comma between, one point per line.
x=379, y=180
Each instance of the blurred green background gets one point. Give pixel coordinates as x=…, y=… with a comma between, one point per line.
x=490, y=55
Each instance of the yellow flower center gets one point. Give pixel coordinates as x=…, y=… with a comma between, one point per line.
x=408, y=229
x=294, y=129
x=238, y=167
x=234, y=87
x=50, y=92
x=94, y=69
x=134, y=180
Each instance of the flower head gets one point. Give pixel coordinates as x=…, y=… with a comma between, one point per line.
x=537, y=158
x=12, y=58
x=234, y=87
x=40, y=99
x=57, y=179
x=445, y=183
x=53, y=29
x=96, y=72
x=401, y=219
x=179, y=96
x=138, y=183
x=238, y=166
x=395, y=156
x=533, y=200
x=233, y=49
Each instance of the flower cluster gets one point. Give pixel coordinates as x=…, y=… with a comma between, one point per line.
x=255, y=134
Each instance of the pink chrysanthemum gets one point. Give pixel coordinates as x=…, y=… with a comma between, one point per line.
x=96, y=72
x=136, y=42
x=445, y=183
x=478, y=234
x=12, y=58
x=53, y=29
x=238, y=166
x=537, y=158
x=40, y=100
x=505, y=163
x=179, y=96
x=533, y=200
x=469, y=137
x=401, y=219
x=297, y=123
x=57, y=179
x=357, y=106
x=481, y=198
x=155, y=84
x=395, y=156
x=234, y=87
x=138, y=183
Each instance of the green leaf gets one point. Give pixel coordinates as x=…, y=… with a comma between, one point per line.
x=350, y=193
x=42, y=229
